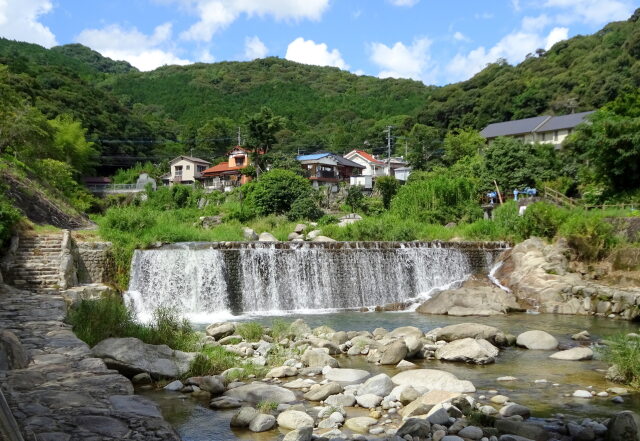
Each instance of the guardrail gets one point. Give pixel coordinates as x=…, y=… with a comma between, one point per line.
x=114, y=188
x=559, y=198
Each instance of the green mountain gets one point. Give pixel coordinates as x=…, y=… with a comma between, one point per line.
x=142, y=113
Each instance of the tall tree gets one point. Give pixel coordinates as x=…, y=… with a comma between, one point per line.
x=462, y=143
x=262, y=128
x=216, y=136
x=425, y=147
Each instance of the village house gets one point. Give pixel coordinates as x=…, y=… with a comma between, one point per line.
x=227, y=175
x=376, y=167
x=545, y=129
x=328, y=168
x=185, y=170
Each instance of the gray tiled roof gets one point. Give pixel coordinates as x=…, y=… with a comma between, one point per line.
x=347, y=162
x=564, y=122
x=516, y=127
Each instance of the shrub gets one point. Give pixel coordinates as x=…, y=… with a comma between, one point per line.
x=277, y=190
x=354, y=197
x=250, y=331
x=96, y=320
x=388, y=186
x=304, y=208
x=482, y=230
x=589, y=236
x=328, y=219
x=623, y=352
x=542, y=219
x=9, y=216
x=127, y=219
x=373, y=206
x=508, y=221
x=212, y=360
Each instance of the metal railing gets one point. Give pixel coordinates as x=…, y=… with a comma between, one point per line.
x=106, y=188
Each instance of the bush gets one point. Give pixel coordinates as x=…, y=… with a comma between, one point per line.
x=328, y=219
x=508, y=221
x=127, y=219
x=277, y=190
x=9, y=217
x=304, y=208
x=623, y=352
x=542, y=219
x=354, y=197
x=482, y=230
x=373, y=206
x=212, y=360
x=388, y=186
x=250, y=331
x=589, y=236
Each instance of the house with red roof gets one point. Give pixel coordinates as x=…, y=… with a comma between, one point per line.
x=228, y=174
x=372, y=167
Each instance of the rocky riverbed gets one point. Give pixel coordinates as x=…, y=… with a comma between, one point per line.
x=55, y=388
x=376, y=385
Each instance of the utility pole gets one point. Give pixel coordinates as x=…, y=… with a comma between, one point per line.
x=239, y=138
x=389, y=150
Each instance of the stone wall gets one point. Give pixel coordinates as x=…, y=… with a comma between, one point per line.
x=94, y=262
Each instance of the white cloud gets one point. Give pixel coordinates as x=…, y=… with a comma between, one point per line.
x=206, y=56
x=459, y=36
x=593, y=12
x=19, y=21
x=401, y=61
x=513, y=47
x=310, y=52
x=146, y=52
x=408, y=3
x=215, y=15
x=254, y=48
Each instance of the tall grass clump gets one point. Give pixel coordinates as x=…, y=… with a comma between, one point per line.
x=250, y=331
x=543, y=219
x=623, y=352
x=212, y=360
x=280, y=329
x=108, y=317
x=588, y=235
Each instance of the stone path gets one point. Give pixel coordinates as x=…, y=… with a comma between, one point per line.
x=64, y=394
x=37, y=262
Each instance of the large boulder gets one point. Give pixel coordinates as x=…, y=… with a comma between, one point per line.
x=262, y=423
x=539, y=340
x=468, y=350
x=360, y=424
x=132, y=356
x=267, y=237
x=624, y=426
x=432, y=379
x=423, y=404
x=473, y=298
x=391, y=353
x=12, y=354
x=345, y=375
x=257, y=392
x=468, y=330
x=244, y=417
x=322, y=392
x=294, y=419
x=220, y=330
x=573, y=354
x=318, y=357
x=416, y=428
x=380, y=385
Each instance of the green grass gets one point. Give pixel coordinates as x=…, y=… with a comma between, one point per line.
x=280, y=329
x=623, y=352
x=250, y=331
x=267, y=406
x=212, y=360
x=107, y=317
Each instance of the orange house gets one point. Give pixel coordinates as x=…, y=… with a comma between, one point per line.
x=228, y=174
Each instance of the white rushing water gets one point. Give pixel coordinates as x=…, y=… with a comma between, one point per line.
x=208, y=284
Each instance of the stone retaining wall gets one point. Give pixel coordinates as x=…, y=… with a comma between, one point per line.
x=95, y=262
x=65, y=394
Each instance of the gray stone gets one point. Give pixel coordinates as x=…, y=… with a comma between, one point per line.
x=225, y=403
x=318, y=357
x=432, y=379
x=249, y=234
x=212, y=384
x=135, y=404
x=393, y=353
x=262, y=423
x=439, y=416
x=515, y=409
x=452, y=438
x=526, y=430
x=368, y=401
x=624, y=426
x=471, y=432
x=142, y=378
x=220, y=330
x=345, y=375
x=257, y=392
x=341, y=400
x=468, y=350
x=573, y=354
x=294, y=419
x=414, y=427
x=324, y=391
x=299, y=228
x=380, y=385
x=12, y=354
x=102, y=425
x=244, y=417
x=303, y=434
x=538, y=340
x=360, y=424
x=174, y=386
x=466, y=330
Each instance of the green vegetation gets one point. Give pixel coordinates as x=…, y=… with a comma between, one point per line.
x=212, y=360
x=107, y=317
x=267, y=406
x=9, y=217
x=280, y=329
x=250, y=331
x=623, y=352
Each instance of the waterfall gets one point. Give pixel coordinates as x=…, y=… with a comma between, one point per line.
x=222, y=279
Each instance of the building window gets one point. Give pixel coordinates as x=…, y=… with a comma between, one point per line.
x=555, y=135
x=201, y=168
x=178, y=170
x=240, y=161
x=188, y=167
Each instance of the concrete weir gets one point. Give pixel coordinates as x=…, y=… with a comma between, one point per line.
x=64, y=394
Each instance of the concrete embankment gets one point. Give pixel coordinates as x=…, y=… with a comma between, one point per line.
x=55, y=389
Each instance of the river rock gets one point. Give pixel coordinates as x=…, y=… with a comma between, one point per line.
x=220, y=330
x=212, y=384
x=299, y=328
x=360, y=424
x=132, y=356
x=433, y=379
x=423, y=404
x=539, y=340
x=624, y=426
x=521, y=431
x=512, y=409
x=262, y=423
x=244, y=417
x=281, y=372
x=249, y=234
x=257, y=392
x=345, y=375
x=581, y=336
x=380, y=385
x=318, y=357
x=322, y=239
x=267, y=237
x=479, y=298
x=12, y=354
x=573, y=354
x=322, y=392
x=468, y=350
x=299, y=228
x=340, y=400
x=303, y=434
x=368, y=401
x=404, y=332
x=174, y=386
x=294, y=419
x=471, y=432
x=468, y=330
x=414, y=427
x=391, y=353
x=582, y=394
x=225, y=403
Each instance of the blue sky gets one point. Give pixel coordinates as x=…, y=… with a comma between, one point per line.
x=434, y=41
